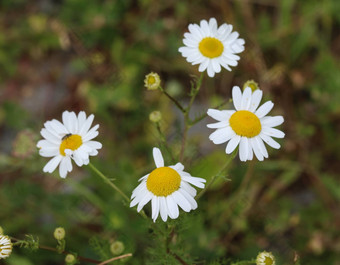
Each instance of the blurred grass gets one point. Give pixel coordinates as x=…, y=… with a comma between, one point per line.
x=58, y=55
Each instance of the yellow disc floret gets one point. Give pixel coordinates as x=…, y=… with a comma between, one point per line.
x=268, y=261
x=163, y=181
x=211, y=47
x=245, y=123
x=72, y=142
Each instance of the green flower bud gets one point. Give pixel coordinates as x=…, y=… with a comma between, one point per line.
x=155, y=116
x=252, y=84
x=70, y=259
x=117, y=248
x=59, y=233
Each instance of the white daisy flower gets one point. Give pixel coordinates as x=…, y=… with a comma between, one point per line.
x=265, y=258
x=248, y=126
x=212, y=46
x=70, y=139
x=5, y=247
x=166, y=188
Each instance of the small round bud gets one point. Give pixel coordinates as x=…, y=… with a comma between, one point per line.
x=265, y=258
x=59, y=233
x=152, y=81
x=155, y=116
x=70, y=259
x=117, y=248
x=252, y=84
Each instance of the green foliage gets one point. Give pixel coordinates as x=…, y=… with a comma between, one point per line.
x=93, y=56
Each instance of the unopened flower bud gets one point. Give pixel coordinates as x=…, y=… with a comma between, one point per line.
x=117, y=248
x=252, y=84
x=152, y=81
x=70, y=259
x=59, y=233
x=265, y=258
x=155, y=116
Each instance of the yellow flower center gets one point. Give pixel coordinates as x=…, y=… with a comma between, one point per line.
x=70, y=141
x=163, y=181
x=268, y=261
x=151, y=80
x=245, y=123
x=211, y=47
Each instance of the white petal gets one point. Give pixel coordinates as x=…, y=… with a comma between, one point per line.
x=210, y=70
x=256, y=149
x=94, y=144
x=163, y=208
x=261, y=146
x=243, y=150
x=181, y=201
x=232, y=144
x=157, y=157
x=198, y=182
x=189, y=198
x=86, y=125
x=272, y=121
x=50, y=137
x=63, y=168
x=237, y=97
x=192, y=191
x=264, y=109
x=246, y=99
x=148, y=196
x=271, y=142
x=155, y=207
x=203, y=66
x=52, y=164
x=250, y=151
x=222, y=135
x=178, y=167
x=255, y=100
x=172, y=207
x=81, y=119
x=273, y=132
x=49, y=152
x=91, y=134
x=220, y=115
x=217, y=125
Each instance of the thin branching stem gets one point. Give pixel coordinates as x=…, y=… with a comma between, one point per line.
x=195, y=87
x=213, y=178
x=108, y=181
x=178, y=105
x=19, y=242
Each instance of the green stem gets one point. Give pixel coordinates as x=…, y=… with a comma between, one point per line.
x=204, y=115
x=163, y=141
x=213, y=178
x=187, y=123
x=179, y=106
x=108, y=181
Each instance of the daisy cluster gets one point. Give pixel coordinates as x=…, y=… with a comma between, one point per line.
x=170, y=188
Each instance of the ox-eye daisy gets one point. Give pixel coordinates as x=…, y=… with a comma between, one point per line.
x=212, y=46
x=70, y=139
x=167, y=188
x=248, y=126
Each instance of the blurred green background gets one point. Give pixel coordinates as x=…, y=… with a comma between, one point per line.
x=58, y=55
